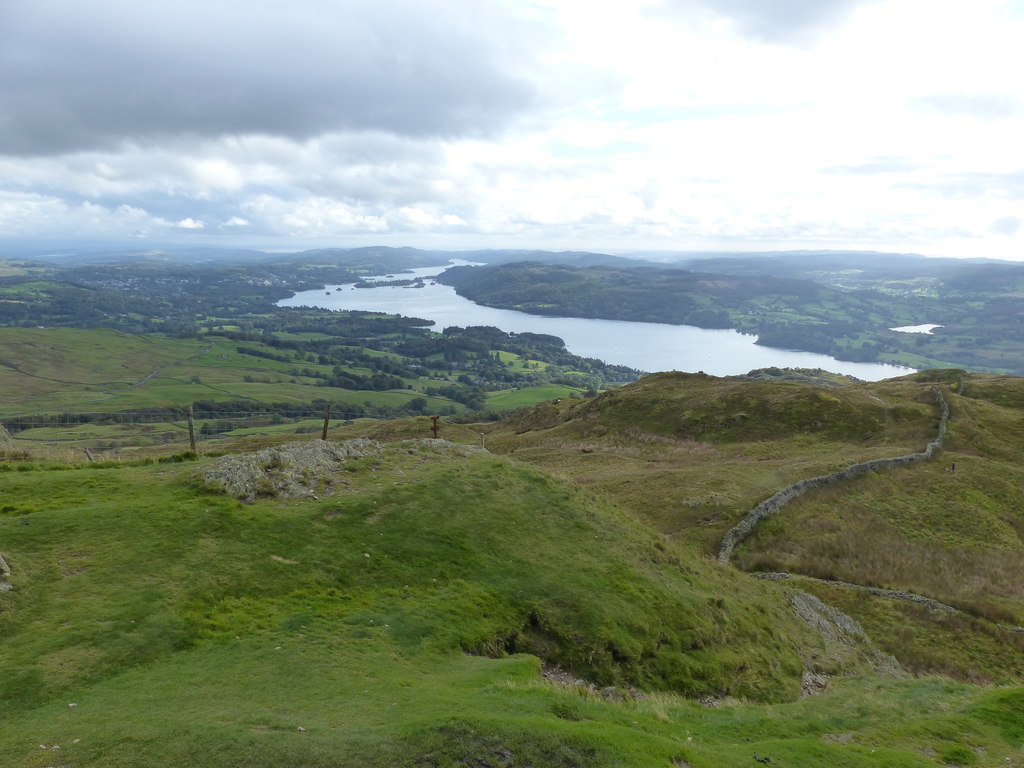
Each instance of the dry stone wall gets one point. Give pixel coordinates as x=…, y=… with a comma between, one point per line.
x=5, y=576
x=891, y=594
x=778, y=500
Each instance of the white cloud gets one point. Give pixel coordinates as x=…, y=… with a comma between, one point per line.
x=543, y=123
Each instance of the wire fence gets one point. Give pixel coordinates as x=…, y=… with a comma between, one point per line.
x=125, y=435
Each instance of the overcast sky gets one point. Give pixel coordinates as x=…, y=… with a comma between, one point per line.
x=609, y=125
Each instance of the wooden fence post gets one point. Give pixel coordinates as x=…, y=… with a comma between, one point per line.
x=435, y=428
x=327, y=421
x=191, y=431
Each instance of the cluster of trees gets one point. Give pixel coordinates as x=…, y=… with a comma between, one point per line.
x=462, y=357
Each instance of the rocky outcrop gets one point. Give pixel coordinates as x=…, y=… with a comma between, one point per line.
x=778, y=500
x=844, y=641
x=305, y=469
x=285, y=471
x=5, y=576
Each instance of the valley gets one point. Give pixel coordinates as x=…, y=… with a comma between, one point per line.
x=541, y=584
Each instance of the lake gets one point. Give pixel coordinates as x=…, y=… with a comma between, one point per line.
x=646, y=346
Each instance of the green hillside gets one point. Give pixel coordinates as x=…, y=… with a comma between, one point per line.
x=691, y=455
x=553, y=601
x=72, y=389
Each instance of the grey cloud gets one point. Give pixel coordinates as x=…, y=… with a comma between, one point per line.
x=77, y=76
x=787, y=22
x=986, y=106
x=374, y=171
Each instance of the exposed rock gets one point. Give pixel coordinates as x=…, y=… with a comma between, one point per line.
x=285, y=471
x=305, y=469
x=611, y=693
x=843, y=636
x=830, y=623
x=562, y=677
x=812, y=683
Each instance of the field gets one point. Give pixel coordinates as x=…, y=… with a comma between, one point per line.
x=66, y=389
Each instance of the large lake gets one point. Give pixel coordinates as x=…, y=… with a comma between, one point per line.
x=647, y=346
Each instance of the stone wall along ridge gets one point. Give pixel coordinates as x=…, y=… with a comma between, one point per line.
x=778, y=500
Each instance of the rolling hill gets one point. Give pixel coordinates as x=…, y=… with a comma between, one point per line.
x=554, y=600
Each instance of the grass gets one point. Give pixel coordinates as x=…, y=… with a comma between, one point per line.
x=474, y=553
x=58, y=370
x=401, y=623
x=72, y=370
x=405, y=621
x=956, y=537
x=931, y=642
x=640, y=445
x=513, y=399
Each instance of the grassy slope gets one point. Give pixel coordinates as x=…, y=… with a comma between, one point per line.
x=957, y=536
x=136, y=582
x=691, y=454
x=100, y=370
x=190, y=630
x=62, y=369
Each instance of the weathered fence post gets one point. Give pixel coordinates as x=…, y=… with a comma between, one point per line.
x=436, y=429
x=191, y=431
x=327, y=421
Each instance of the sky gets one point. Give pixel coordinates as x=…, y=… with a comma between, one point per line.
x=740, y=125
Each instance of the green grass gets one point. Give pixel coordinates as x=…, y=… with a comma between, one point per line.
x=956, y=537
x=61, y=370
x=400, y=624
x=512, y=399
x=404, y=621
x=691, y=454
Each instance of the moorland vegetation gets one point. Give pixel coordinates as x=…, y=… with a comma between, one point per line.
x=552, y=600
x=542, y=589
